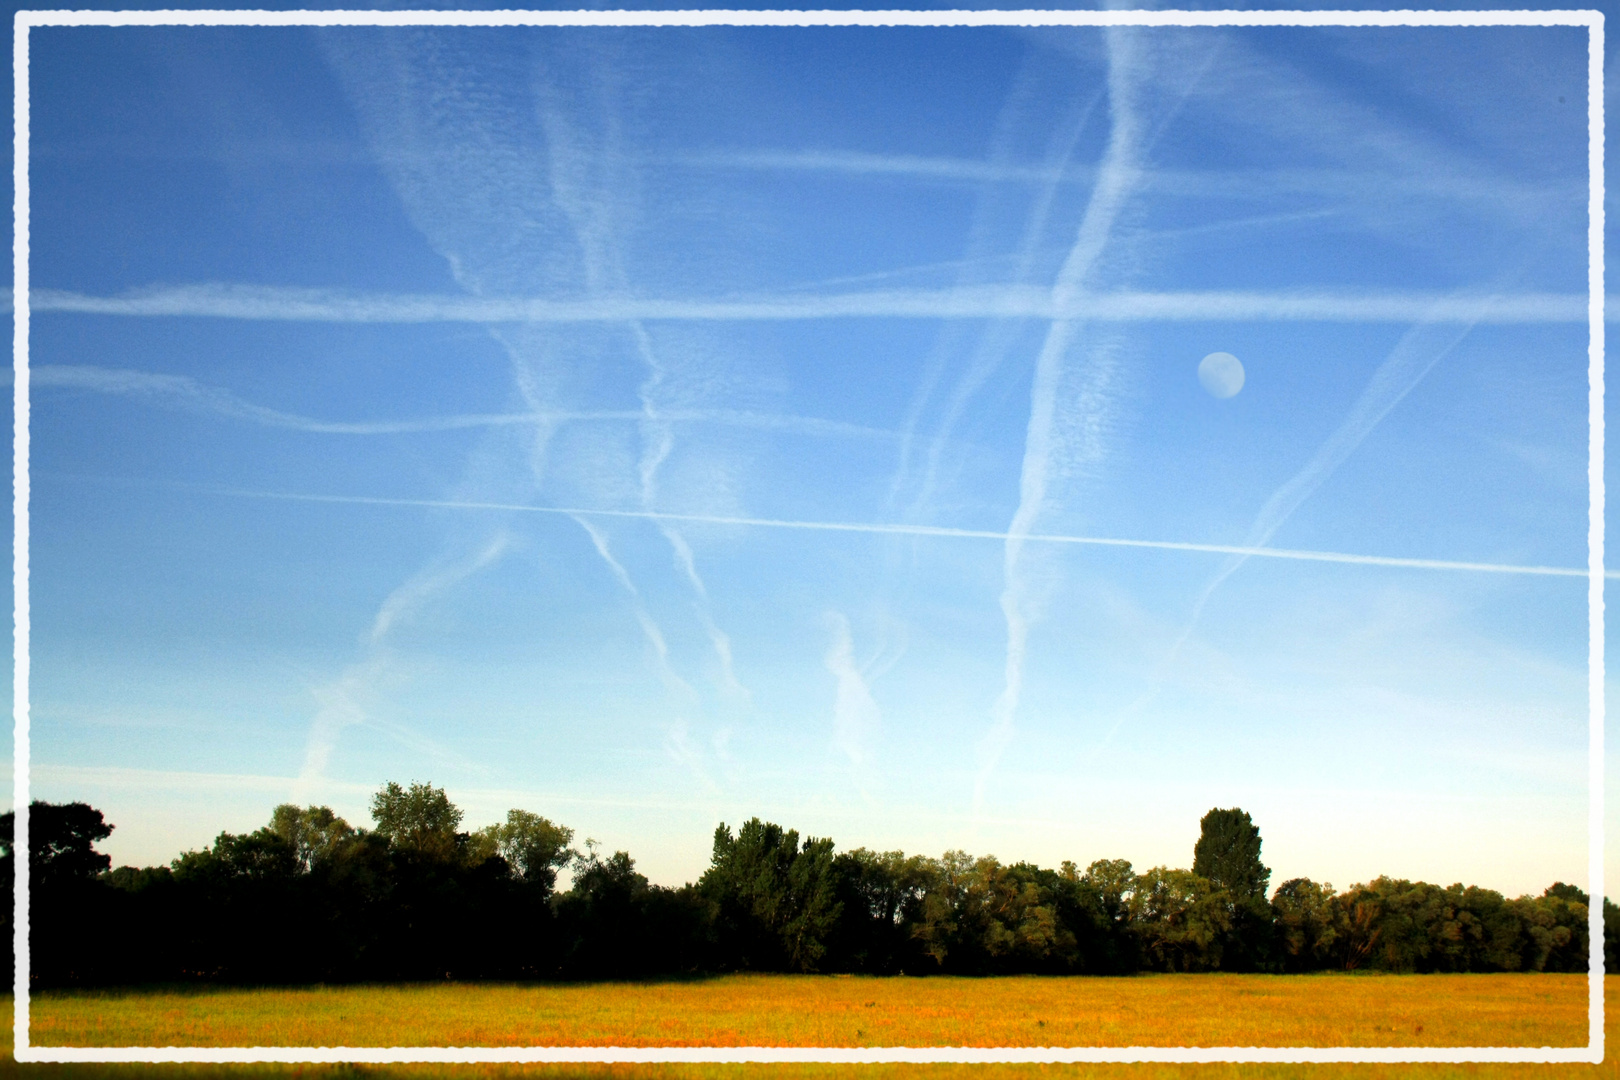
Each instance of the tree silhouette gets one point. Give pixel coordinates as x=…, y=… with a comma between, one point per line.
x=60, y=839
x=420, y=819
x=1228, y=854
x=535, y=847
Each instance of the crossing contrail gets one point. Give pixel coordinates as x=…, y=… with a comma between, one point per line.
x=941, y=531
x=256, y=302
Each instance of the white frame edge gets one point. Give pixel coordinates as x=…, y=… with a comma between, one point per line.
x=1593, y=20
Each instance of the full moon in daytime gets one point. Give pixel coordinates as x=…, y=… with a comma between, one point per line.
x=1221, y=373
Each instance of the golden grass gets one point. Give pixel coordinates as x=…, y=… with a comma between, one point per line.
x=808, y=1010
x=1524, y=1010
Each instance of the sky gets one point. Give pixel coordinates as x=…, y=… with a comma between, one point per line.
x=654, y=428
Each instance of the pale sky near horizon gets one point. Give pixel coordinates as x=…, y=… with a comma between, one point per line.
x=465, y=406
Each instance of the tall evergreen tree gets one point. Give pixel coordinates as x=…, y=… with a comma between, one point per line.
x=1228, y=854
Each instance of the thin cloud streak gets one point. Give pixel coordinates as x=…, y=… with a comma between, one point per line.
x=938, y=531
x=997, y=339
x=187, y=394
x=856, y=717
x=594, y=215
x=649, y=628
x=1257, y=184
x=223, y=301
x=1414, y=355
x=719, y=640
x=343, y=703
x=425, y=584
x=1044, y=438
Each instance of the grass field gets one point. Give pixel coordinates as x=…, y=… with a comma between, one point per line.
x=1502, y=1010
x=764, y=1010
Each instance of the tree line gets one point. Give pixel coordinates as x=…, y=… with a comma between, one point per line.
x=310, y=898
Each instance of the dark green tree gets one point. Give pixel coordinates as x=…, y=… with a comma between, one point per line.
x=313, y=832
x=65, y=911
x=1184, y=920
x=256, y=857
x=979, y=916
x=1568, y=892
x=776, y=904
x=534, y=847
x=1228, y=854
x=420, y=819
x=1611, y=935
x=1308, y=924
x=1116, y=949
x=878, y=893
x=615, y=925
x=62, y=838
x=1556, y=930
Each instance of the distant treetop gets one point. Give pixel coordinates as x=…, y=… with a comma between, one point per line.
x=1228, y=854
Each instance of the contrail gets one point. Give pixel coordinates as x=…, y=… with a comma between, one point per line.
x=943, y=532
x=342, y=703
x=856, y=163
x=1043, y=438
x=1253, y=183
x=961, y=302
x=427, y=583
x=998, y=338
x=1419, y=350
x=593, y=223
x=1414, y=355
x=183, y=392
x=649, y=628
x=856, y=717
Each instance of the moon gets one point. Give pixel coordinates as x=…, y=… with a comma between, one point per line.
x=1221, y=373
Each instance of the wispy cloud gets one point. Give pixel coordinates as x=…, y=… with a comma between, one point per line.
x=1043, y=440
x=678, y=744
x=907, y=166
x=927, y=531
x=649, y=627
x=346, y=701
x=429, y=582
x=996, y=339
x=1372, y=179
x=719, y=640
x=658, y=442
x=990, y=301
x=1414, y=355
x=342, y=704
x=856, y=717
x=595, y=211
x=187, y=394
x=512, y=162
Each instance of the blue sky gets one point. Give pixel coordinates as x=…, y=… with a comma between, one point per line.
x=451, y=405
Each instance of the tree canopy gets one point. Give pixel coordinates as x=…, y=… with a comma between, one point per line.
x=420, y=819
x=533, y=846
x=310, y=898
x=1228, y=854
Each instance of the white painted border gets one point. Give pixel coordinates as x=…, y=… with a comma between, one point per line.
x=727, y=17
x=1592, y=20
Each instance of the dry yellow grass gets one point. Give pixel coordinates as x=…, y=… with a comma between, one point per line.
x=765, y=1010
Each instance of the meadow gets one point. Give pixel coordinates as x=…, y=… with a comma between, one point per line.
x=809, y=1010
x=763, y=1010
